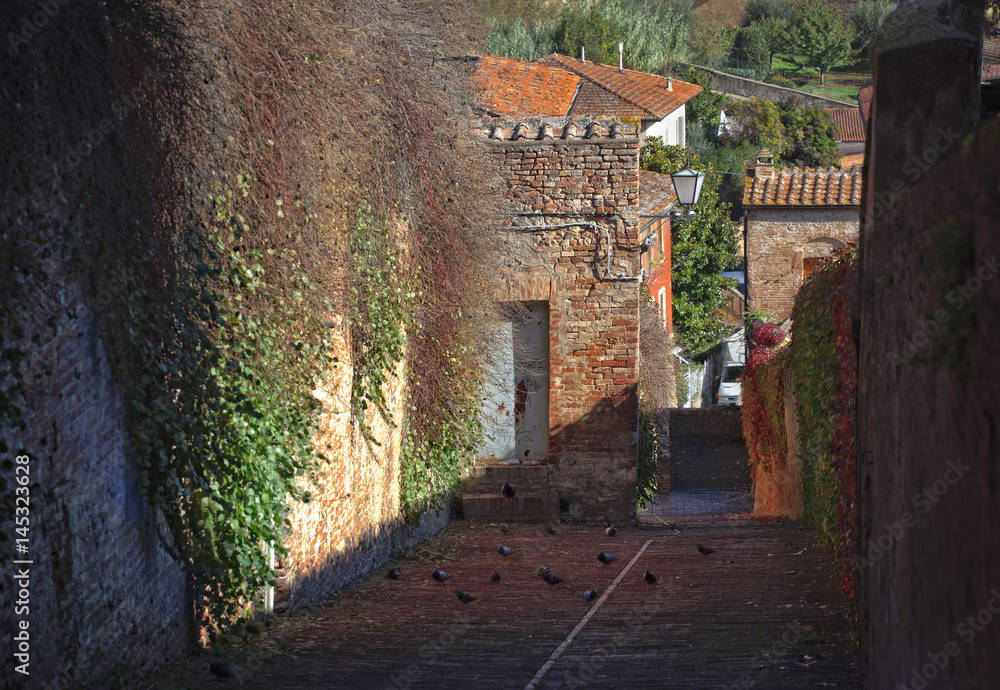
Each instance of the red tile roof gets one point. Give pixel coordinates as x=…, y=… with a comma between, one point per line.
x=852, y=161
x=508, y=86
x=991, y=50
x=865, y=102
x=656, y=193
x=649, y=96
x=804, y=187
x=848, y=121
x=990, y=72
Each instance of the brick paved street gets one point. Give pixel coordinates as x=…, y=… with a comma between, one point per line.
x=765, y=610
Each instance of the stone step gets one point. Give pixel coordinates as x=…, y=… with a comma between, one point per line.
x=525, y=507
x=487, y=479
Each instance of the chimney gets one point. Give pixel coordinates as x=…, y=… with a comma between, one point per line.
x=583, y=54
x=764, y=165
x=621, y=50
x=670, y=84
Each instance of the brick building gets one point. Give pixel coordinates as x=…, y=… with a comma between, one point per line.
x=567, y=399
x=794, y=218
x=656, y=199
x=563, y=89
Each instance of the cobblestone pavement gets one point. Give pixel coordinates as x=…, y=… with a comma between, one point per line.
x=764, y=611
x=698, y=502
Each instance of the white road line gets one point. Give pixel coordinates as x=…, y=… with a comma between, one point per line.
x=533, y=683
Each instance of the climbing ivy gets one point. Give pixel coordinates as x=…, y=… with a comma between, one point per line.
x=218, y=372
x=381, y=311
x=824, y=363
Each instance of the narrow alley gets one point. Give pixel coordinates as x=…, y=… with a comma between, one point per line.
x=765, y=610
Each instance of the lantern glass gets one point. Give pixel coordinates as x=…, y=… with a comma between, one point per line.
x=687, y=185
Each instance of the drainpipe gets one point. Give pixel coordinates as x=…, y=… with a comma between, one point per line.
x=583, y=54
x=621, y=49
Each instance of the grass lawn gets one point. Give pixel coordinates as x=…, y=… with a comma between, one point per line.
x=840, y=86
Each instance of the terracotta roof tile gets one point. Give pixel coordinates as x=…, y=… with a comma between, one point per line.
x=546, y=132
x=508, y=86
x=648, y=93
x=656, y=193
x=804, y=187
x=990, y=72
x=991, y=50
x=848, y=121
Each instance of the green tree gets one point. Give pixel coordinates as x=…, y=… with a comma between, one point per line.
x=760, y=42
x=702, y=248
x=756, y=121
x=866, y=17
x=819, y=36
x=809, y=135
x=515, y=38
x=703, y=110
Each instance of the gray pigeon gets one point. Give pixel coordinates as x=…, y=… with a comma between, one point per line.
x=705, y=550
x=394, y=574
x=553, y=529
x=504, y=551
x=606, y=558
x=463, y=597
x=504, y=528
x=611, y=531
x=495, y=576
x=507, y=490
x=589, y=595
x=552, y=578
x=222, y=669
x=541, y=571
x=649, y=577
x=440, y=575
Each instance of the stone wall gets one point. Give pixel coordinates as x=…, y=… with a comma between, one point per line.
x=105, y=599
x=776, y=247
x=733, y=85
x=928, y=385
x=590, y=185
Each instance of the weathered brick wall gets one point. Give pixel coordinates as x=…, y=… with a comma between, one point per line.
x=928, y=383
x=775, y=241
x=353, y=523
x=593, y=320
x=105, y=598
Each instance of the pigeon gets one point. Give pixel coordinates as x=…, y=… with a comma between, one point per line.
x=504, y=528
x=705, y=550
x=589, y=595
x=552, y=578
x=507, y=490
x=649, y=578
x=495, y=576
x=504, y=551
x=553, y=529
x=541, y=571
x=611, y=531
x=441, y=575
x=463, y=597
x=394, y=574
x=222, y=669
x=606, y=558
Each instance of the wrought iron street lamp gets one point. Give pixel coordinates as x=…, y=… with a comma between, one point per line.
x=687, y=186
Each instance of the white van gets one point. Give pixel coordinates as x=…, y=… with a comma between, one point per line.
x=730, y=385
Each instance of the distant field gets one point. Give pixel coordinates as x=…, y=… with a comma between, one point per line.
x=840, y=86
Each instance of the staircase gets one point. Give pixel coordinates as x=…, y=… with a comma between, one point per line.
x=533, y=502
